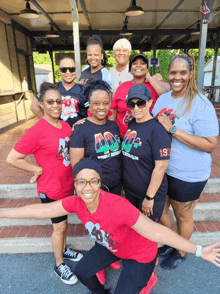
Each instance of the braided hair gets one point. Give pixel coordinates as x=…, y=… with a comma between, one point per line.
x=93, y=85
x=192, y=89
x=96, y=40
x=44, y=87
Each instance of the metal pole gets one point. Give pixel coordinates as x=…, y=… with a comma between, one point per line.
x=202, y=47
x=51, y=58
x=154, y=56
x=214, y=67
x=74, y=12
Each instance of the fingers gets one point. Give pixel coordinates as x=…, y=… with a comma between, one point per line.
x=34, y=179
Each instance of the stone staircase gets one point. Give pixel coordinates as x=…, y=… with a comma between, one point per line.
x=32, y=235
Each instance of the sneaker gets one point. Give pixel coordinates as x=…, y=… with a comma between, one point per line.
x=65, y=274
x=72, y=254
x=151, y=283
x=173, y=261
x=164, y=253
x=101, y=276
x=115, y=265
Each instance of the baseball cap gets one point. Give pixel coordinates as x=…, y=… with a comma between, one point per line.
x=136, y=56
x=139, y=91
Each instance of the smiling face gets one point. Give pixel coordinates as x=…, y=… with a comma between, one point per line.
x=94, y=56
x=99, y=105
x=179, y=76
x=139, y=68
x=141, y=114
x=67, y=77
x=121, y=55
x=90, y=193
x=52, y=110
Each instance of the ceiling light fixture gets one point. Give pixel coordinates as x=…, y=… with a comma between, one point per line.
x=125, y=32
x=134, y=10
x=52, y=33
x=28, y=12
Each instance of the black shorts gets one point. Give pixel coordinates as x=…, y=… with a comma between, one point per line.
x=182, y=191
x=159, y=202
x=56, y=220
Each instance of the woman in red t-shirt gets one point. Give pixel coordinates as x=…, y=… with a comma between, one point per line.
x=48, y=140
x=138, y=66
x=120, y=230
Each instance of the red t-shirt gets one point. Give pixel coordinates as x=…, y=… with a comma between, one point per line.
x=111, y=226
x=50, y=147
x=118, y=103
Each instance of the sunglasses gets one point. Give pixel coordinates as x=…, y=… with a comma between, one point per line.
x=64, y=69
x=139, y=103
x=51, y=102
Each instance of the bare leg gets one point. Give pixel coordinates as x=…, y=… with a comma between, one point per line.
x=184, y=215
x=167, y=218
x=59, y=240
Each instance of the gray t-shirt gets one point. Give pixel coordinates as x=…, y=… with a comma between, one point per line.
x=120, y=77
x=186, y=163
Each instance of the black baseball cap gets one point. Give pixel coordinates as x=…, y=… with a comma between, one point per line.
x=136, y=56
x=139, y=91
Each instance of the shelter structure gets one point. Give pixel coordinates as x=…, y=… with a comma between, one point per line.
x=67, y=25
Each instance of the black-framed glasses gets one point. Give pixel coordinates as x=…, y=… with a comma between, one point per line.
x=51, y=102
x=64, y=69
x=81, y=183
x=139, y=103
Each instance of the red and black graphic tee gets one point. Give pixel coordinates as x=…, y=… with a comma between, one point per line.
x=111, y=226
x=142, y=145
x=102, y=142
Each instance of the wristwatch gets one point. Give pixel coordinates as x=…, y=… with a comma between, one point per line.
x=149, y=198
x=172, y=130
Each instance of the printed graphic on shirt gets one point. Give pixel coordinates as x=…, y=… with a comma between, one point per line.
x=108, y=144
x=169, y=113
x=70, y=107
x=100, y=236
x=63, y=151
x=130, y=139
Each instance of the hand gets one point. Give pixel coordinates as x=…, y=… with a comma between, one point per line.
x=165, y=121
x=212, y=254
x=147, y=207
x=148, y=76
x=36, y=175
x=128, y=118
x=79, y=122
x=82, y=82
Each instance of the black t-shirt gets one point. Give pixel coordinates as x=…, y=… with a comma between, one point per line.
x=102, y=142
x=142, y=145
x=74, y=103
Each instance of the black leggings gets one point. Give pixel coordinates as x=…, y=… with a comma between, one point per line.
x=133, y=278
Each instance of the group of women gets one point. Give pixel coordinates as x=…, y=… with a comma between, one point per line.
x=166, y=150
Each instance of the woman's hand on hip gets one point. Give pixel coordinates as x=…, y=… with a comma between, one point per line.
x=36, y=174
x=147, y=207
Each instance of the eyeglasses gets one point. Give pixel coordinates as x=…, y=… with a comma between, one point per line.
x=139, y=103
x=64, y=69
x=51, y=102
x=81, y=183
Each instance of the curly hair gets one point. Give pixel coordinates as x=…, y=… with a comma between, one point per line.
x=93, y=85
x=44, y=87
x=96, y=40
x=192, y=89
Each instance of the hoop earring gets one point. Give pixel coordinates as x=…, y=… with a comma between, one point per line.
x=86, y=60
x=102, y=61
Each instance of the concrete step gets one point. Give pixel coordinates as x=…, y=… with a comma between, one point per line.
x=17, y=191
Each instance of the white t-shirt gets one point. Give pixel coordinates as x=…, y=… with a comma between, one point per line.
x=186, y=163
x=120, y=77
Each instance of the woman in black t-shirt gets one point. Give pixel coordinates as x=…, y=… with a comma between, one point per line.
x=146, y=151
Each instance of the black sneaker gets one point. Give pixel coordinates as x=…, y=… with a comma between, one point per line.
x=173, y=261
x=72, y=254
x=65, y=274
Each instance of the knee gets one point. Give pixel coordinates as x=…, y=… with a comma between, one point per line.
x=184, y=217
x=60, y=229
